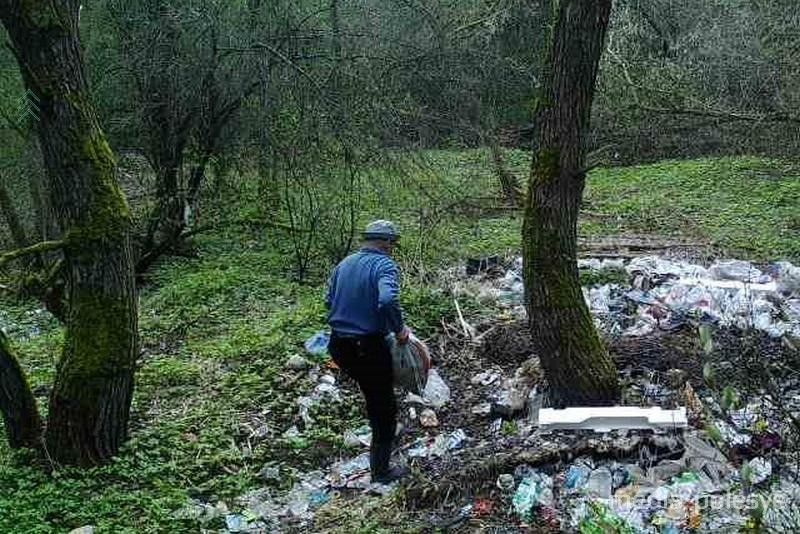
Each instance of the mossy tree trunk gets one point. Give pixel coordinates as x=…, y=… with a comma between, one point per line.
x=90, y=401
x=20, y=415
x=576, y=362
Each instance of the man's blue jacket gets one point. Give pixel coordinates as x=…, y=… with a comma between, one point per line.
x=363, y=293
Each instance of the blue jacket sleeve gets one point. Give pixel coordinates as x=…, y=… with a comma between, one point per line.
x=388, y=297
x=330, y=290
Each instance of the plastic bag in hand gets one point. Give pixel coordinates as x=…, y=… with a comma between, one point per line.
x=410, y=363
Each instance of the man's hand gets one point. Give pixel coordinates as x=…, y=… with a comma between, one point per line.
x=402, y=336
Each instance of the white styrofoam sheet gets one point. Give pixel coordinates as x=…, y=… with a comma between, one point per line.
x=606, y=418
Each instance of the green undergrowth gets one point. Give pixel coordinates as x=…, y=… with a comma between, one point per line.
x=213, y=397
x=743, y=206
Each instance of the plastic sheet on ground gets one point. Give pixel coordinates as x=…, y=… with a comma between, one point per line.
x=350, y=473
x=436, y=392
x=437, y=446
x=325, y=389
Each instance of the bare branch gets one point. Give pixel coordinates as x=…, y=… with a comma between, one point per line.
x=44, y=246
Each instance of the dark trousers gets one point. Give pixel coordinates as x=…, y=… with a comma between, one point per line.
x=368, y=361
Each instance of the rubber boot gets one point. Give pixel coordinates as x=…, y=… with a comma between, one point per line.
x=382, y=472
x=379, y=455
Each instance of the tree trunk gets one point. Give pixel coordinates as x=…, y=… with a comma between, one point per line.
x=20, y=415
x=574, y=358
x=508, y=182
x=90, y=402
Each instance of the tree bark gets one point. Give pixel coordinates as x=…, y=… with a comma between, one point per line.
x=574, y=358
x=509, y=186
x=20, y=415
x=90, y=402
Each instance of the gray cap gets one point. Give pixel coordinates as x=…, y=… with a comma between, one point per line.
x=381, y=229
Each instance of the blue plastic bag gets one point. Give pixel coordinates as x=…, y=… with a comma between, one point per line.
x=318, y=343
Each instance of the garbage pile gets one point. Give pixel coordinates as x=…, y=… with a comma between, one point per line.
x=273, y=510
x=736, y=478
x=662, y=294
x=700, y=491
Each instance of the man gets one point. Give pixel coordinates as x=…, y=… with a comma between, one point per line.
x=363, y=308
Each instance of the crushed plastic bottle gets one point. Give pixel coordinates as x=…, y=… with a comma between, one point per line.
x=577, y=476
x=526, y=497
x=599, y=483
x=236, y=522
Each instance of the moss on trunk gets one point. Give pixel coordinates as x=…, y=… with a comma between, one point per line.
x=576, y=363
x=90, y=402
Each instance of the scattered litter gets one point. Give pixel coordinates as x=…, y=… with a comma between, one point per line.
x=742, y=271
x=535, y=402
x=342, y=471
x=760, y=470
x=325, y=389
x=483, y=507
x=360, y=437
x=481, y=409
x=496, y=425
x=438, y=446
x=291, y=432
x=577, y=476
x=513, y=397
x=428, y=418
x=297, y=363
x=599, y=519
x=236, y=522
x=534, y=490
x=665, y=292
x=788, y=278
x=308, y=494
x=270, y=473
x=485, y=378
x=599, y=483
x=505, y=482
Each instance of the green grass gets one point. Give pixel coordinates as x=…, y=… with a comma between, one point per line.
x=217, y=329
x=747, y=206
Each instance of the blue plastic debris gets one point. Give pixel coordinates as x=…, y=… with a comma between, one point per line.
x=318, y=343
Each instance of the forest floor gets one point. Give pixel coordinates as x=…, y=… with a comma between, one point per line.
x=215, y=398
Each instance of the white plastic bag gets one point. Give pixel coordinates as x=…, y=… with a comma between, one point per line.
x=436, y=392
x=410, y=363
x=740, y=270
